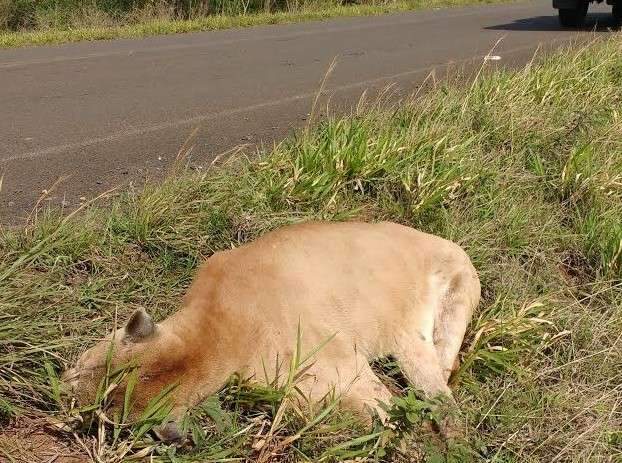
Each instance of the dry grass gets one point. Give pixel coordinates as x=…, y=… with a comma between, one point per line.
x=524, y=169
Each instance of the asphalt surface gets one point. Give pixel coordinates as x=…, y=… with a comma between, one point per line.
x=103, y=114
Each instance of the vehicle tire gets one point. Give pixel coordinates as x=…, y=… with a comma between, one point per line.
x=617, y=13
x=573, y=17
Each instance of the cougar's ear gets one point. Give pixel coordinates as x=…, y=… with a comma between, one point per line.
x=139, y=326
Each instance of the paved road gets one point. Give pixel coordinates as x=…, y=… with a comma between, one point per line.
x=106, y=113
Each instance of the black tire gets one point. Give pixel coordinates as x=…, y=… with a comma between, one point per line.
x=617, y=13
x=573, y=17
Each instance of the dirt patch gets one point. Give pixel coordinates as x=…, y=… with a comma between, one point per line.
x=575, y=268
x=34, y=441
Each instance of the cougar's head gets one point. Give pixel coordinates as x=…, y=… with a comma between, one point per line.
x=154, y=353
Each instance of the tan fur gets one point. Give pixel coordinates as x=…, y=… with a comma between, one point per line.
x=380, y=289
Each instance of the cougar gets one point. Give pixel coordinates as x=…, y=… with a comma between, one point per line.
x=358, y=290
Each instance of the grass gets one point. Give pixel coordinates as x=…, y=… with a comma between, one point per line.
x=522, y=168
x=90, y=27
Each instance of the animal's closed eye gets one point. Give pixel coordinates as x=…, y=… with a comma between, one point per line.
x=82, y=370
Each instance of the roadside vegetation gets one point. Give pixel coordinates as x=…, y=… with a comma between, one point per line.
x=522, y=168
x=36, y=22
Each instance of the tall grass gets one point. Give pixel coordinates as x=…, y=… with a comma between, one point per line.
x=34, y=22
x=66, y=14
x=524, y=169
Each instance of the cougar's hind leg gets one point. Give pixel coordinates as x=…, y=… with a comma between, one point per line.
x=419, y=361
x=452, y=319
